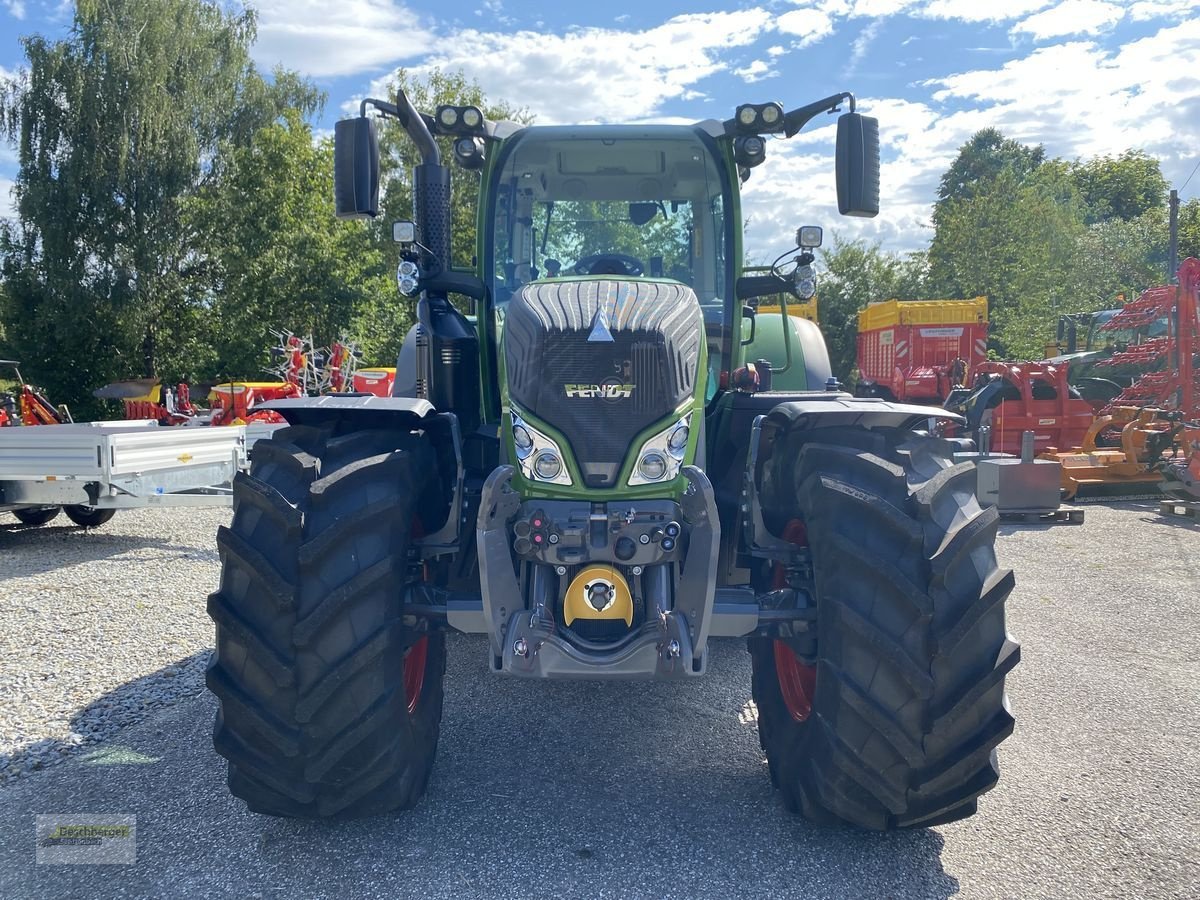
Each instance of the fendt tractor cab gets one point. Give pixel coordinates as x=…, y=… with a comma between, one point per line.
x=617, y=458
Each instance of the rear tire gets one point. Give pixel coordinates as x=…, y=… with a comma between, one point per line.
x=315, y=663
x=911, y=648
x=88, y=516
x=35, y=516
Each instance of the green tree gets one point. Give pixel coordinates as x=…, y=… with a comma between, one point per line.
x=279, y=257
x=1124, y=187
x=1118, y=257
x=855, y=274
x=1015, y=242
x=115, y=126
x=1189, y=229
x=983, y=159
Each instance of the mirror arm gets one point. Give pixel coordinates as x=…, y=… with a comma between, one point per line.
x=798, y=118
x=451, y=282
x=414, y=123
x=749, y=286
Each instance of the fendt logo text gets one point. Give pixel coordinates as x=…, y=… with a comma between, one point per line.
x=609, y=390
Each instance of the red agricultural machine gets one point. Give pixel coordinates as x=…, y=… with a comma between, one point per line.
x=1148, y=431
x=1010, y=398
x=26, y=405
x=919, y=351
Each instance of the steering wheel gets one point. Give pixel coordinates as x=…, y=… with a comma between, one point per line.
x=609, y=264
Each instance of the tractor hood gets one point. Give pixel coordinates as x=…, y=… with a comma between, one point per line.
x=601, y=360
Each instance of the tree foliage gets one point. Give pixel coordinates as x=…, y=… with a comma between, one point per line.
x=116, y=125
x=1042, y=237
x=278, y=257
x=1125, y=187
x=1189, y=229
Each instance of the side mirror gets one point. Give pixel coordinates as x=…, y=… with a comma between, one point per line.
x=858, y=165
x=355, y=169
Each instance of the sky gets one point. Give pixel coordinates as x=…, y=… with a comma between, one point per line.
x=1082, y=77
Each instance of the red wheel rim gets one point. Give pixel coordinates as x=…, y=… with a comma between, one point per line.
x=414, y=672
x=797, y=681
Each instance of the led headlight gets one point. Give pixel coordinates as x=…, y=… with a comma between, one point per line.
x=652, y=466
x=806, y=288
x=448, y=116
x=771, y=114
x=747, y=115
x=547, y=464
x=539, y=457
x=472, y=117
x=408, y=275
x=661, y=457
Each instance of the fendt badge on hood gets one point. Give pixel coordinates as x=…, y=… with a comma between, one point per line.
x=610, y=389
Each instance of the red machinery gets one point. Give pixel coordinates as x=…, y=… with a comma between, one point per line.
x=374, y=381
x=919, y=351
x=1011, y=398
x=28, y=405
x=1177, y=385
x=233, y=403
x=1144, y=435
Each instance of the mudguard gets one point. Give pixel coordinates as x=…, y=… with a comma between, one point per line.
x=366, y=410
x=844, y=410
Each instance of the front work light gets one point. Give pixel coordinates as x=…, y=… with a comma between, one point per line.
x=809, y=236
x=408, y=277
x=468, y=152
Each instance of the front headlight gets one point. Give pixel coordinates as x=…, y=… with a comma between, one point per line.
x=539, y=457
x=661, y=457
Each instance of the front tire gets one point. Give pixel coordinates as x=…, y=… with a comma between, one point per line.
x=330, y=701
x=905, y=679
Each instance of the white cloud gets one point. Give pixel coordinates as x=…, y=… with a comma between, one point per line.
x=977, y=11
x=756, y=71
x=810, y=25
x=1144, y=10
x=598, y=74
x=8, y=209
x=861, y=44
x=1078, y=99
x=322, y=39
x=16, y=8
x=1082, y=100
x=1072, y=17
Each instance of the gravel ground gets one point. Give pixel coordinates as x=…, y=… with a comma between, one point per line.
x=99, y=627
x=599, y=790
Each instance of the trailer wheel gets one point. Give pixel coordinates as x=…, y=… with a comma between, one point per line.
x=88, y=516
x=330, y=702
x=891, y=719
x=34, y=516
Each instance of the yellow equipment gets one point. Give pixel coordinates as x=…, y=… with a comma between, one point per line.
x=1115, y=471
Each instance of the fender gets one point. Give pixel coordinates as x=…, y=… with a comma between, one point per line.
x=824, y=411
x=367, y=411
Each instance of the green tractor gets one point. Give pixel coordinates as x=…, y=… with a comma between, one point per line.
x=600, y=470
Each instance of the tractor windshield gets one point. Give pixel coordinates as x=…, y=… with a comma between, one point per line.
x=621, y=200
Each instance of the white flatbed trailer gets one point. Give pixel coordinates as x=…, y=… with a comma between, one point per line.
x=118, y=465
